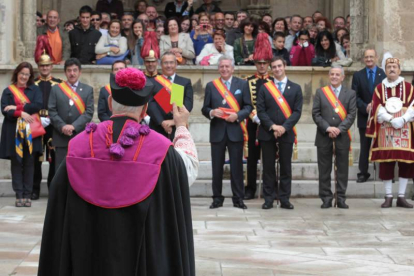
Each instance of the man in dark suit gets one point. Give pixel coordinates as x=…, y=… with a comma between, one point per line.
x=70, y=108
x=364, y=83
x=333, y=119
x=104, y=113
x=276, y=132
x=227, y=129
x=160, y=121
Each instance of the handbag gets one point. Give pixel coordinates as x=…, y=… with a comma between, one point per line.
x=36, y=127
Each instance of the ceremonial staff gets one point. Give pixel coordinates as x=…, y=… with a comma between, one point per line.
x=335, y=174
x=277, y=173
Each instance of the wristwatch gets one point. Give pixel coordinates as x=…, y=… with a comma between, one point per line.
x=108, y=53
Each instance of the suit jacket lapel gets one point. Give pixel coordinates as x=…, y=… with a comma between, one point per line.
x=377, y=77
x=342, y=96
x=233, y=85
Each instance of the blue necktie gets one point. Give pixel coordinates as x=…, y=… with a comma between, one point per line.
x=371, y=81
x=279, y=86
x=227, y=83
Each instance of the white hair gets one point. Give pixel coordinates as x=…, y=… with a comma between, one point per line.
x=226, y=58
x=337, y=67
x=118, y=108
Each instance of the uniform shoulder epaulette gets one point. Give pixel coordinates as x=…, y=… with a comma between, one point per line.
x=55, y=81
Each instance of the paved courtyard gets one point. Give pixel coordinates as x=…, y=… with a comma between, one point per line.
x=364, y=240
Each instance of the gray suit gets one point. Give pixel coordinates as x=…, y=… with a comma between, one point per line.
x=325, y=116
x=62, y=113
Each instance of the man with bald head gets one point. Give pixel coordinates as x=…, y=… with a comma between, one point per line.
x=58, y=40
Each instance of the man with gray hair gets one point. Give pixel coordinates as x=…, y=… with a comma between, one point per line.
x=161, y=114
x=227, y=104
x=334, y=112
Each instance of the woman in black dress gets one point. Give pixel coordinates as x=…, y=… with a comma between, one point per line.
x=18, y=102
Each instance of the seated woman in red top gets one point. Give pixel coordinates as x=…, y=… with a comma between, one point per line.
x=302, y=51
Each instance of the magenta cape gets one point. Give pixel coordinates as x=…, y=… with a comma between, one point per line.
x=109, y=182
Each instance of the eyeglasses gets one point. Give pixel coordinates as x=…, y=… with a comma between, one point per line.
x=95, y=19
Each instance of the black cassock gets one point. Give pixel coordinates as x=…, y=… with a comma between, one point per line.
x=153, y=237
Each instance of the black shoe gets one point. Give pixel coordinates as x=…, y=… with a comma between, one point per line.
x=363, y=178
x=240, y=204
x=267, y=205
x=326, y=204
x=216, y=204
x=342, y=205
x=286, y=205
x=34, y=196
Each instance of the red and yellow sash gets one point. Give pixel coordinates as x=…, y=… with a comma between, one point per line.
x=72, y=95
x=19, y=97
x=232, y=102
x=164, y=82
x=284, y=106
x=340, y=110
x=108, y=88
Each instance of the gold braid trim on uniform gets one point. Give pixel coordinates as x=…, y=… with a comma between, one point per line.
x=252, y=88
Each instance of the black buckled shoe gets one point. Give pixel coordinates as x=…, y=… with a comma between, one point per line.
x=35, y=196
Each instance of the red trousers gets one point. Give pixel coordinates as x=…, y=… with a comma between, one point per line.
x=386, y=170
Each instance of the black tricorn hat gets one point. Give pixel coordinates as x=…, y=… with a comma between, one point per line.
x=124, y=94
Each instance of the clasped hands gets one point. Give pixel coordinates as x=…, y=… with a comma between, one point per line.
x=333, y=132
x=68, y=130
x=219, y=113
x=278, y=131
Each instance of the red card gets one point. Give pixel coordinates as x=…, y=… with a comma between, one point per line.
x=163, y=99
x=225, y=115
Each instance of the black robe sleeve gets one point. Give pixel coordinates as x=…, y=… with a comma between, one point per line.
x=151, y=238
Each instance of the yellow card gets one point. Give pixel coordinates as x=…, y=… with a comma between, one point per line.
x=177, y=94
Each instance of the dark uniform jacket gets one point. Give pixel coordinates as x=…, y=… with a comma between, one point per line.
x=8, y=130
x=83, y=42
x=255, y=82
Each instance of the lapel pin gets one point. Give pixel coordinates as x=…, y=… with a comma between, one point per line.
x=288, y=87
x=80, y=89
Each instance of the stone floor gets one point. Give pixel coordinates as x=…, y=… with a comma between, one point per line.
x=364, y=240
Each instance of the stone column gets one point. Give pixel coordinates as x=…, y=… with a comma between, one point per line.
x=258, y=7
x=359, y=29
x=28, y=27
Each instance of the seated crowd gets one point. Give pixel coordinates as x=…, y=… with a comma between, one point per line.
x=194, y=35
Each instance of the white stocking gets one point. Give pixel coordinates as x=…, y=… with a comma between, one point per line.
x=388, y=188
x=402, y=186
